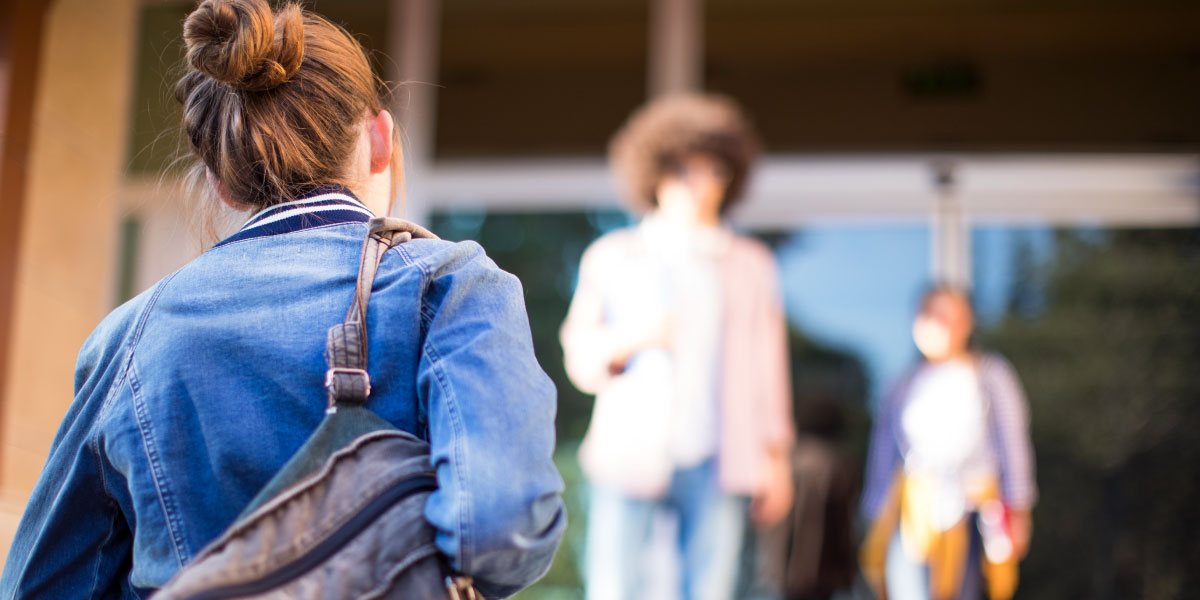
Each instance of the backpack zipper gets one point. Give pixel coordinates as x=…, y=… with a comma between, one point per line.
x=328, y=547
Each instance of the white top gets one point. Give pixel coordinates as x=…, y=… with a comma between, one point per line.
x=684, y=261
x=617, y=280
x=945, y=425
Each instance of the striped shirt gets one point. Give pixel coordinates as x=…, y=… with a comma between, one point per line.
x=1008, y=436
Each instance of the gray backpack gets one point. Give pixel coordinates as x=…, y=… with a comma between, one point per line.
x=344, y=518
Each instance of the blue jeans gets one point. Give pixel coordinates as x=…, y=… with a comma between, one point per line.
x=711, y=525
x=908, y=579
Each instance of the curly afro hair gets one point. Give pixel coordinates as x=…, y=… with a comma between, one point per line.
x=658, y=137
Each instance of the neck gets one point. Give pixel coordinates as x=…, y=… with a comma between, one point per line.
x=960, y=356
x=686, y=213
x=375, y=193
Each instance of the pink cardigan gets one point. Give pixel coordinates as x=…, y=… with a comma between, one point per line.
x=755, y=394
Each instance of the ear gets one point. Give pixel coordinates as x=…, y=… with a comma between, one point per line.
x=379, y=129
x=222, y=191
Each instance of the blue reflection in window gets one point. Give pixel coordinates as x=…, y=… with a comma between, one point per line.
x=854, y=287
x=1006, y=265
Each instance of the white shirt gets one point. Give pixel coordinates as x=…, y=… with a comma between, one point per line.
x=945, y=425
x=689, y=292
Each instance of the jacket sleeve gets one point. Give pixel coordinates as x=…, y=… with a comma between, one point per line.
x=498, y=508
x=72, y=541
x=883, y=455
x=1010, y=432
x=776, y=373
x=588, y=342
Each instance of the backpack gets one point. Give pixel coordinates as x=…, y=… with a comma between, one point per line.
x=344, y=517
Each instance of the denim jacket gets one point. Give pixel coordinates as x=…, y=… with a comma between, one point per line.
x=189, y=397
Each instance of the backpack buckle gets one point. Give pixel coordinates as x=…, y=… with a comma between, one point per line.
x=461, y=587
x=337, y=393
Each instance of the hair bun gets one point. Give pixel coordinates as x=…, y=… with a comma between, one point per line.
x=243, y=44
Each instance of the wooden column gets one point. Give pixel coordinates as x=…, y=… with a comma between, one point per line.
x=59, y=253
x=20, y=44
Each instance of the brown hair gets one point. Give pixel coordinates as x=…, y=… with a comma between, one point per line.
x=942, y=288
x=273, y=101
x=658, y=137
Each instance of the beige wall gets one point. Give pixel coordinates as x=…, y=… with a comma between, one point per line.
x=172, y=230
x=68, y=232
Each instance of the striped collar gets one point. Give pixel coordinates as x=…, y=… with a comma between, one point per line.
x=327, y=205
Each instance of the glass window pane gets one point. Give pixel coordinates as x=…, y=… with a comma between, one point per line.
x=850, y=295
x=849, y=320
x=855, y=288
x=155, y=139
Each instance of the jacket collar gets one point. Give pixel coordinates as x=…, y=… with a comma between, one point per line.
x=326, y=205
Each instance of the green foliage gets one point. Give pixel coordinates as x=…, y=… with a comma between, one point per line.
x=155, y=138
x=1106, y=338
x=565, y=579
x=543, y=251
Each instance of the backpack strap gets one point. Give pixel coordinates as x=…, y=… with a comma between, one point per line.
x=346, y=378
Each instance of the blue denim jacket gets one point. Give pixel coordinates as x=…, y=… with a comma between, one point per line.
x=189, y=397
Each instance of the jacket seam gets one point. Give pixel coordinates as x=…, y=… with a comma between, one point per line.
x=419, y=264
x=464, y=508
x=144, y=317
x=93, y=444
x=404, y=255
x=93, y=437
x=166, y=498
x=425, y=318
x=134, y=338
x=112, y=527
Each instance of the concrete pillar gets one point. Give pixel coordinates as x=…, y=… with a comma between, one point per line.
x=950, y=231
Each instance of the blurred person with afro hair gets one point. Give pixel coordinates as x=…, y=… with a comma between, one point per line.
x=677, y=327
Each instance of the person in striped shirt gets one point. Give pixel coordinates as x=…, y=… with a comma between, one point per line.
x=950, y=479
